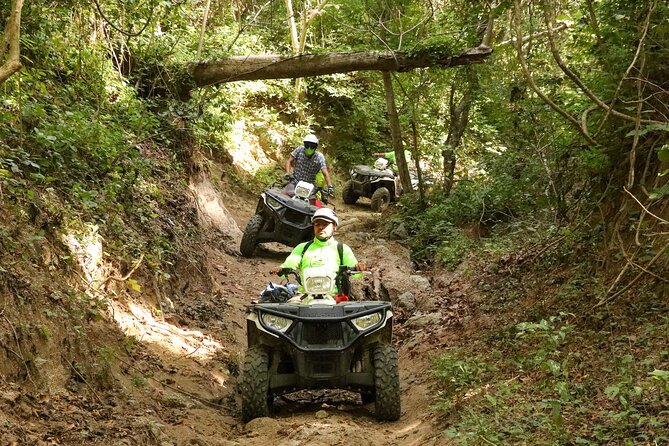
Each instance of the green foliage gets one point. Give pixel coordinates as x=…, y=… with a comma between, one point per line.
x=455, y=248
x=438, y=230
x=536, y=381
x=139, y=381
x=457, y=375
x=105, y=361
x=435, y=48
x=592, y=160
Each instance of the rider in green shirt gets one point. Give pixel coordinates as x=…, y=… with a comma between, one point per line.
x=322, y=251
x=392, y=158
x=392, y=165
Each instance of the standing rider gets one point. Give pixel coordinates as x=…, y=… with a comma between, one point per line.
x=392, y=164
x=323, y=250
x=392, y=158
x=304, y=163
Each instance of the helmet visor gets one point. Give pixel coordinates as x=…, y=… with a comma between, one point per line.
x=322, y=220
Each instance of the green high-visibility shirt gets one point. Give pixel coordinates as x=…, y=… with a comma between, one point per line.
x=320, y=254
x=390, y=156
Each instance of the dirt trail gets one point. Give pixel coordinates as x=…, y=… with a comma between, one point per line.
x=330, y=417
x=175, y=382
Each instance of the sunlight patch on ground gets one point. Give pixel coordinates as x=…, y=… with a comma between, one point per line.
x=246, y=150
x=137, y=321
x=245, y=153
x=86, y=246
x=212, y=210
x=409, y=427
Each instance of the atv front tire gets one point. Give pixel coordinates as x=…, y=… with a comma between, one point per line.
x=380, y=199
x=348, y=194
x=386, y=383
x=250, y=237
x=254, y=384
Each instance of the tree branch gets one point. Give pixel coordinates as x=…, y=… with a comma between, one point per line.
x=512, y=41
x=644, y=207
x=238, y=68
x=530, y=79
x=548, y=18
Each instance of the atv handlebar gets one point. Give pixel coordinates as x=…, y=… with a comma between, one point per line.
x=348, y=270
x=285, y=272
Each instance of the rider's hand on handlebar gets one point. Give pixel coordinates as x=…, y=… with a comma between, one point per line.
x=281, y=271
x=331, y=190
x=361, y=266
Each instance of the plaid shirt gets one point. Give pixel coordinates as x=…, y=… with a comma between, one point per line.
x=306, y=168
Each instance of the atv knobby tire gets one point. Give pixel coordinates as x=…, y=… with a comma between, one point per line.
x=250, y=237
x=380, y=199
x=254, y=384
x=348, y=194
x=386, y=383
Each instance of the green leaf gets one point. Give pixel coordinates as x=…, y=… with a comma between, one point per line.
x=663, y=153
x=648, y=128
x=612, y=391
x=132, y=283
x=660, y=375
x=556, y=413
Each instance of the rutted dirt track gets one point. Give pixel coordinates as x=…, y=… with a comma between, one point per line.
x=339, y=417
x=179, y=387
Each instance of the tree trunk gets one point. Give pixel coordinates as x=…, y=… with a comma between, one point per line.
x=11, y=43
x=203, y=30
x=416, y=159
x=239, y=68
x=459, y=118
x=396, y=133
x=459, y=115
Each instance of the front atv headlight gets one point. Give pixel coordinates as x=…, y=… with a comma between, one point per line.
x=318, y=280
x=318, y=285
x=364, y=322
x=276, y=322
x=274, y=204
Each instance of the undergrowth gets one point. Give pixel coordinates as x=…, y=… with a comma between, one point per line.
x=555, y=370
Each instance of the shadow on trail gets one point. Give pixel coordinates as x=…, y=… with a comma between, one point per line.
x=272, y=251
x=310, y=402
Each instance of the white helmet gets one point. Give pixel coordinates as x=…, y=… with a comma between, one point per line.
x=311, y=138
x=325, y=214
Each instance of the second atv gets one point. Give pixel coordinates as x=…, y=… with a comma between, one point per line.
x=376, y=183
x=283, y=219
